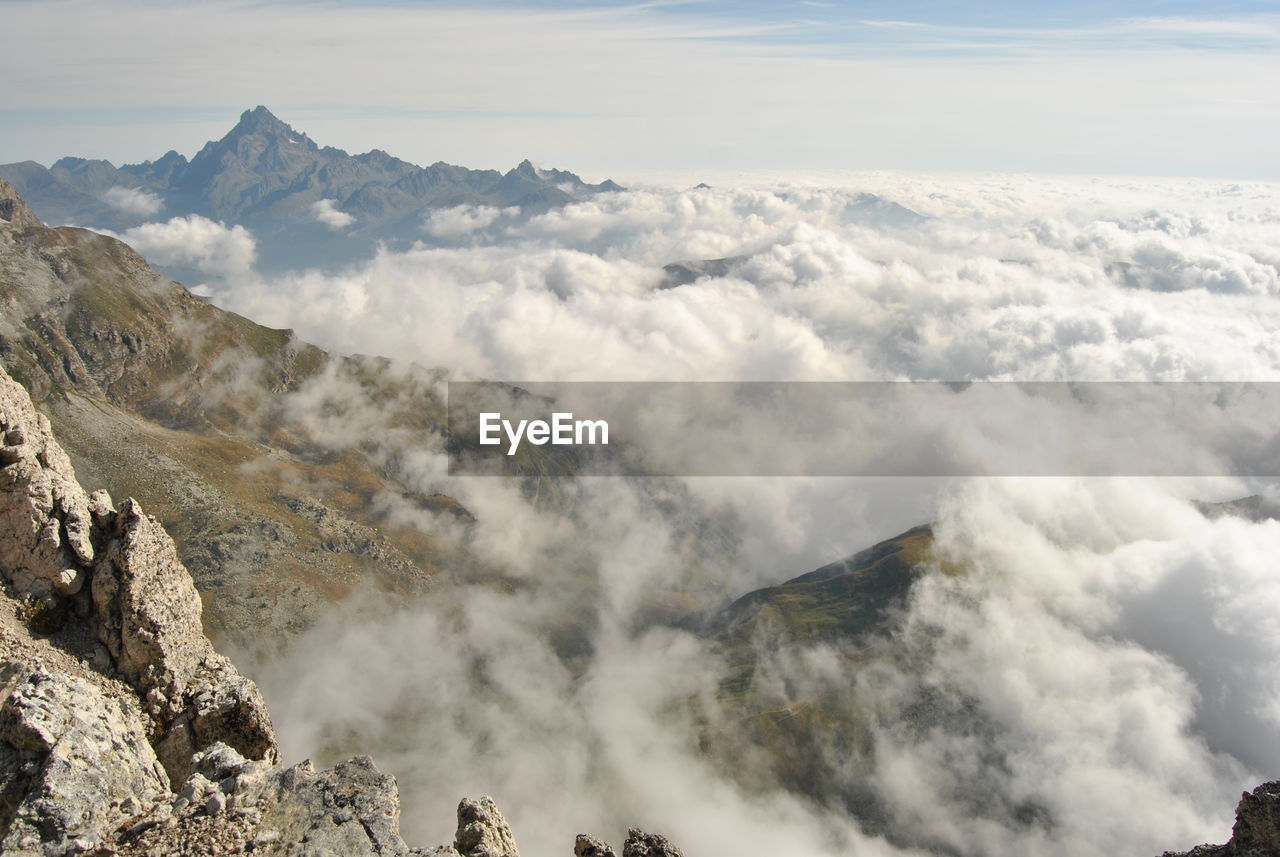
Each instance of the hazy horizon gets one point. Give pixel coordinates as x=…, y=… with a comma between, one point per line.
x=1179, y=89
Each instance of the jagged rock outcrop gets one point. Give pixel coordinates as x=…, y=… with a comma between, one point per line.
x=140, y=605
x=1256, y=832
x=588, y=846
x=638, y=844
x=13, y=209
x=641, y=844
x=136, y=688
x=351, y=809
x=482, y=831
x=73, y=762
x=149, y=619
x=230, y=804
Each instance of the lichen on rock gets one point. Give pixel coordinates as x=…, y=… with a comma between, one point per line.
x=74, y=762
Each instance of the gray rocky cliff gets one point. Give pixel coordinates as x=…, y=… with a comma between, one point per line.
x=110, y=685
x=74, y=761
x=107, y=584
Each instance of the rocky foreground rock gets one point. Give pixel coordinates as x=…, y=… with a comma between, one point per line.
x=122, y=731
x=1257, y=829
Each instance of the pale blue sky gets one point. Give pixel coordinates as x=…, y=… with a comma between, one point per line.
x=1173, y=88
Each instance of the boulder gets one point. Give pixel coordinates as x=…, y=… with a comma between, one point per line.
x=482, y=831
x=589, y=846
x=74, y=763
x=641, y=844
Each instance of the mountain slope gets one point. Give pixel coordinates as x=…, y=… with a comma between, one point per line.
x=161, y=396
x=793, y=729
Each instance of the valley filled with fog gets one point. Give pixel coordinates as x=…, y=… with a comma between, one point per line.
x=1086, y=667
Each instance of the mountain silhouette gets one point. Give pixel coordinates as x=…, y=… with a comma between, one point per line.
x=291, y=192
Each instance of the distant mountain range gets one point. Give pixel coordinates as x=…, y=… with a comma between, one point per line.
x=292, y=193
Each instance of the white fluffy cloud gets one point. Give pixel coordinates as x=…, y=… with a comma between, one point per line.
x=211, y=247
x=1101, y=680
x=327, y=212
x=461, y=220
x=1019, y=278
x=1052, y=698
x=133, y=201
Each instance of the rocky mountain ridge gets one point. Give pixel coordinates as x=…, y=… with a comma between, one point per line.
x=114, y=657
x=268, y=177
x=157, y=394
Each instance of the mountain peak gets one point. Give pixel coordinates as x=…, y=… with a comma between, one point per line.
x=260, y=120
x=263, y=146
x=526, y=168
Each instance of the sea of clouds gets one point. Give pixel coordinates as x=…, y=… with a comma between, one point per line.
x=1005, y=278
x=1100, y=680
